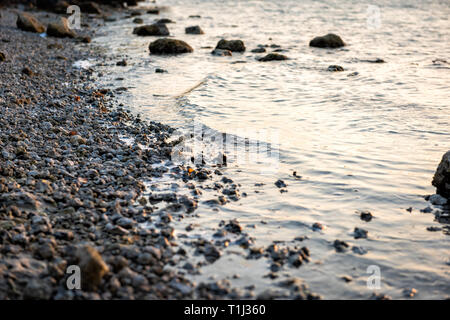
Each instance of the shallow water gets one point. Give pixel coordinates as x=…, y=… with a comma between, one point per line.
x=370, y=141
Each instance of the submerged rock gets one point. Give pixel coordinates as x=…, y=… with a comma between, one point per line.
x=60, y=29
x=28, y=22
x=273, y=57
x=156, y=29
x=330, y=40
x=194, y=30
x=221, y=53
x=169, y=46
x=438, y=200
x=441, y=179
x=377, y=60
x=366, y=216
x=165, y=20
x=232, y=45
x=90, y=7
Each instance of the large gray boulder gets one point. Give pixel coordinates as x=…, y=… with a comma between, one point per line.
x=441, y=179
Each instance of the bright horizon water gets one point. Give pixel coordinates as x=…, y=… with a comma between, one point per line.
x=368, y=138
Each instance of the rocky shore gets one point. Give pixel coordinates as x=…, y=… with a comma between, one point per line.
x=76, y=180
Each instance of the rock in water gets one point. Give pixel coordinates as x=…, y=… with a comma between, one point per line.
x=331, y=40
x=28, y=22
x=92, y=266
x=194, y=30
x=335, y=68
x=231, y=45
x=169, y=46
x=164, y=20
x=90, y=7
x=221, y=53
x=46, y=4
x=441, y=179
x=156, y=29
x=60, y=29
x=273, y=57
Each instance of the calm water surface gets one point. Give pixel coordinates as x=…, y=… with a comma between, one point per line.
x=365, y=141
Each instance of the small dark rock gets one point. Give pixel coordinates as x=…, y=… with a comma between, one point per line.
x=280, y=184
x=27, y=71
x=156, y=29
x=233, y=226
x=366, y=216
x=221, y=53
x=28, y=22
x=340, y=246
x=60, y=29
x=259, y=50
x=169, y=46
x=359, y=233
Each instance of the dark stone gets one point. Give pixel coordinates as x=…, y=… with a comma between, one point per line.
x=90, y=7
x=441, y=179
x=153, y=11
x=156, y=29
x=328, y=41
x=169, y=46
x=232, y=45
x=335, y=68
x=221, y=53
x=273, y=57
x=165, y=20
x=359, y=233
x=259, y=50
x=92, y=266
x=340, y=246
x=280, y=184
x=28, y=22
x=122, y=63
x=233, y=226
